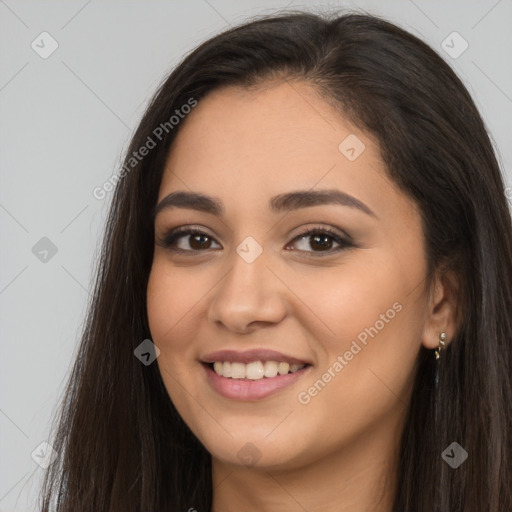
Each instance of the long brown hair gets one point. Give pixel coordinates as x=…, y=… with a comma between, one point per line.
x=122, y=445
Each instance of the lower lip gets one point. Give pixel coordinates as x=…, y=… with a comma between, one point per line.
x=250, y=390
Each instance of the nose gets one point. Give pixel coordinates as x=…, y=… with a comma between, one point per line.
x=248, y=297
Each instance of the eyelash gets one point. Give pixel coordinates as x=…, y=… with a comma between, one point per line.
x=177, y=233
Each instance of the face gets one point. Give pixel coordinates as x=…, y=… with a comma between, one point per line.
x=289, y=320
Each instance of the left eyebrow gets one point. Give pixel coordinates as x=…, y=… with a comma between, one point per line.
x=282, y=202
x=307, y=198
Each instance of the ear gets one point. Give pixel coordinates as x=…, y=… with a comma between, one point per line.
x=442, y=313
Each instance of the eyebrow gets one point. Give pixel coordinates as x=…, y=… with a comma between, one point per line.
x=282, y=202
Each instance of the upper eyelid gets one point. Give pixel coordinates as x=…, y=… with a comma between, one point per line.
x=189, y=230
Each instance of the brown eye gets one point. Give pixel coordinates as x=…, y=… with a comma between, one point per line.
x=194, y=240
x=198, y=242
x=321, y=241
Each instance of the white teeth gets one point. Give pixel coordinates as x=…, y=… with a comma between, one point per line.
x=271, y=369
x=283, y=368
x=254, y=370
x=237, y=370
x=226, y=369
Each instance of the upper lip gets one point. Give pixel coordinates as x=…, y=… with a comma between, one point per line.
x=247, y=356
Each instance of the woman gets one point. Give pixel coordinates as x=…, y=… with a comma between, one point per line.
x=303, y=300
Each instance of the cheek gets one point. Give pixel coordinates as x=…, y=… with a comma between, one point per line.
x=362, y=300
x=172, y=296
x=170, y=305
x=374, y=315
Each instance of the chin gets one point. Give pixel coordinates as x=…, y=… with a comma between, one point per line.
x=258, y=453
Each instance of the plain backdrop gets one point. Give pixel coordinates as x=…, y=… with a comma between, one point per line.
x=65, y=120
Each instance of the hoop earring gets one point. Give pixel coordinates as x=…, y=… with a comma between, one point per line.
x=442, y=345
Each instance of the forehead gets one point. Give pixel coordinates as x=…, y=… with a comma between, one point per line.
x=245, y=146
x=286, y=117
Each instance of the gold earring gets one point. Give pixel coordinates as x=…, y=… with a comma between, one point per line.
x=442, y=344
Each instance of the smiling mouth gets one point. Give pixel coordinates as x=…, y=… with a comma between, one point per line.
x=255, y=370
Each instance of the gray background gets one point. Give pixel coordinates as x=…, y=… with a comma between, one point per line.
x=65, y=121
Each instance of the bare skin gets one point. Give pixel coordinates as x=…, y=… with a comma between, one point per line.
x=333, y=449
